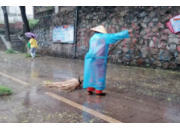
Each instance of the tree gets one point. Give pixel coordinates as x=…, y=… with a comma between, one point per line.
x=24, y=18
x=6, y=21
x=7, y=31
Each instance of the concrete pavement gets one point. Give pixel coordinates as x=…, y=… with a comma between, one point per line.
x=133, y=94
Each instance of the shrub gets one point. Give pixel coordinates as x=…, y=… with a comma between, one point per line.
x=5, y=90
x=33, y=23
x=10, y=51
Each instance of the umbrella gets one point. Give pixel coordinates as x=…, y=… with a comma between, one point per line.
x=29, y=34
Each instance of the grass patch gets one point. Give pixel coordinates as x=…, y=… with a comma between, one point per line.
x=11, y=51
x=29, y=55
x=5, y=90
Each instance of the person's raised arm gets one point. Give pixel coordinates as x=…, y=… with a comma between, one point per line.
x=113, y=38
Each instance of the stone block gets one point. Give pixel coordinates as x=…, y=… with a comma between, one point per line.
x=164, y=55
x=117, y=28
x=146, y=37
x=103, y=23
x=125, y=59
x=150, y=34
x=171, y=35
x=162, y=45
x=144, y=25
x=147, y=61
x=143, y=32
x=142, y=14
x=164, y=37
x=155, y=29
x=113, y=30
x=94, y=13
x=157, y=63
x=166, y=31
x=172, y=47
x=119, y=52
x=125, y=49
x=120, y=61
x=94, y=23
x=146, y=19
x=128, y=56
x=172, y=65
x=123, y=13
x=144, y=52
x=114, y=21
x=137, y=35
x=148, y=30
x=173, y=40
x=95, y=17
x=178, y=48
x=150, y=8
x=133, y=62
x=121, y=23
x=177, y=61
x=150, y=24
x=152, y=14
x=155, y=39
x=141, y=41
x=140, y=62
x=166, y=18
x=155, y=20
x=162, y=12
x=134, y=40
x=154, y=51
x=165, y=65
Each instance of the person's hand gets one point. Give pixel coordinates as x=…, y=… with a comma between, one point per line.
x=130, y=31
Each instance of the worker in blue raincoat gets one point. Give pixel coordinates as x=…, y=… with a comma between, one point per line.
x=96, y=59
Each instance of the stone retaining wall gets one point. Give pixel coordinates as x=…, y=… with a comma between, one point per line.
x=152, y=44
x=44, y=31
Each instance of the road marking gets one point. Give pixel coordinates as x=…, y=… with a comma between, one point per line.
x=67, y=101
x=83, y=108
x=15, y=79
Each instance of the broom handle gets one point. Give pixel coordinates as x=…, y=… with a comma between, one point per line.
x=114, y=47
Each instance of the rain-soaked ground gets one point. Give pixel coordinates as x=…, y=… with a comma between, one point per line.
x=133, y=94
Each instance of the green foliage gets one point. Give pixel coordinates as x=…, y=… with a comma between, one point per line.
x=10, y=51
x=5, y=90
x=33, y=23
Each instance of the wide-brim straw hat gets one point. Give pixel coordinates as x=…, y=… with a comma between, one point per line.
x=100, y=29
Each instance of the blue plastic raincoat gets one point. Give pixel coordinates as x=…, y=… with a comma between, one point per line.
x=96, y=59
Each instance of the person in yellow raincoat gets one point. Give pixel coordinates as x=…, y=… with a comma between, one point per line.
x=34, y=46
x=96, y=59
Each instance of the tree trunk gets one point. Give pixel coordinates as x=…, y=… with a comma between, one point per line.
x=6, y=21
x=24, y=18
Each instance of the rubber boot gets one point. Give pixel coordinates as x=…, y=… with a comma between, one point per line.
x=100, y=93
x=90, y=90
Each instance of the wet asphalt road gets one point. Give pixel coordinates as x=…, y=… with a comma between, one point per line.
x=133, y=94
